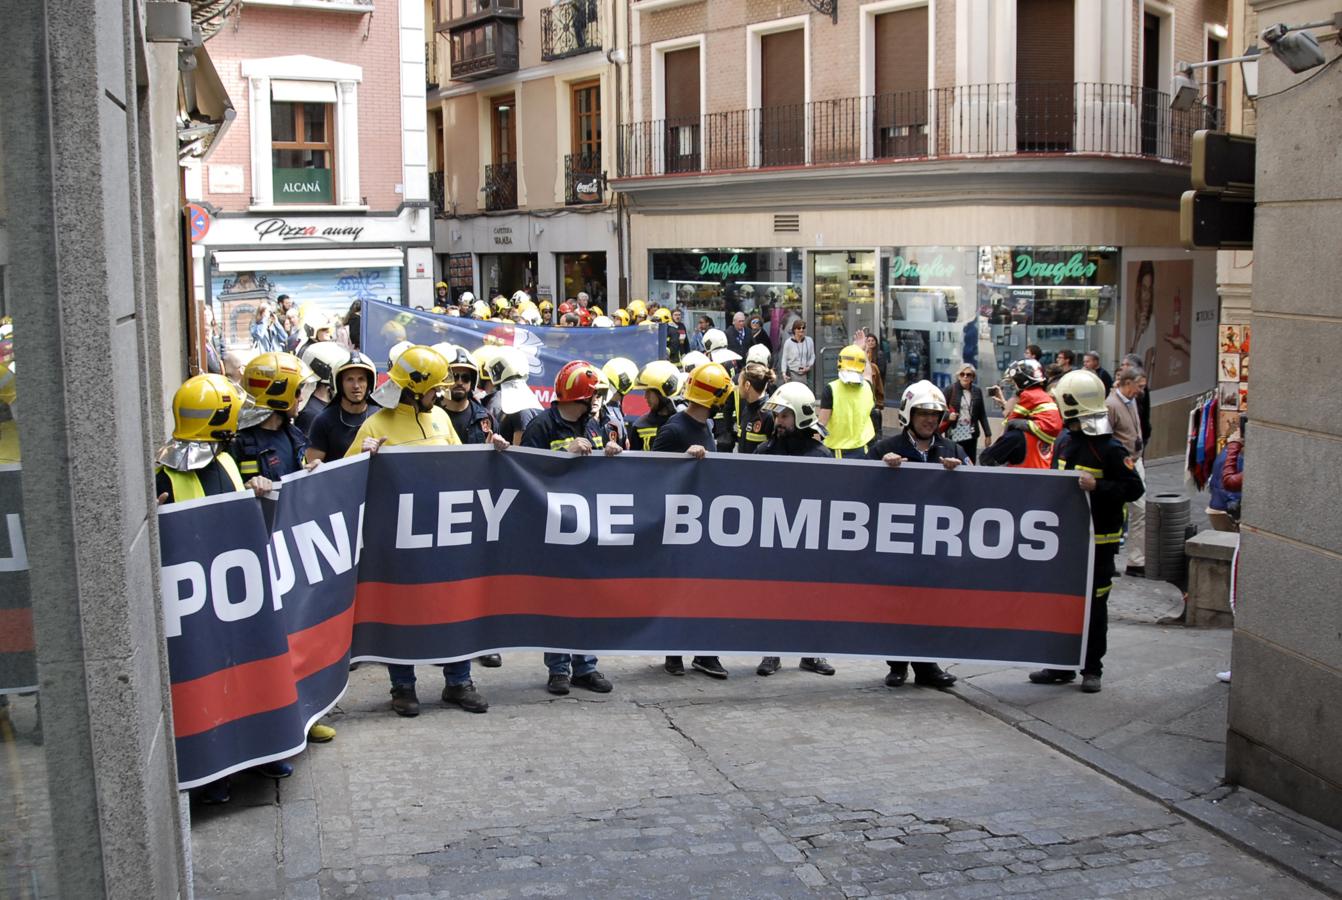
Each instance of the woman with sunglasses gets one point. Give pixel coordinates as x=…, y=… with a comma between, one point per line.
x=966, y=415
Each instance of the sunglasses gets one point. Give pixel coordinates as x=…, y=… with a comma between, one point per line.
x=463, y=376
x=966, y=374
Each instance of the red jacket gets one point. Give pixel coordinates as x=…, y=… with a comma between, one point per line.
x=1035, y=405
x=1232, y=478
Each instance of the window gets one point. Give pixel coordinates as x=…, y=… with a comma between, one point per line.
x=502, y=111
x=302, y=153
x=585, y=102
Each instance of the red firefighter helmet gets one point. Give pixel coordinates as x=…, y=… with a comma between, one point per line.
x=577, y=381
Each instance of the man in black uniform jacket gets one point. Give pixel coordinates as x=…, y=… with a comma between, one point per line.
x=660, y=381
x=791, y=412
x=1109, y=475
x=688, y=432
x=920, y=410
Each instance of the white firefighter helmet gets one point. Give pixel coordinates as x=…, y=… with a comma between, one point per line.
x=396, y=350
x=507, y=364
x=692, y=360
x=1080, y=395
x=603, y=322
x=715, y=345
x=758, y=353
x=920, y=395
x=798, y=398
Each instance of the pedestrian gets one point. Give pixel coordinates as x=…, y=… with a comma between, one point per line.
x=347, y=335
x=682, y=334
x=470, y=420
x=738, y=338
x=660, y=381
x=194, y=464
x=921, y=409
x=797, y=358
x=1091, y=360
x=846, y=404
x=877, y=381
x=1143, y=397
x=1223, y=498
x=416, y=420
x=1109, y=475
x=700, y=328
x=967, y=413
x=709, y=386
x=620, y=375
x=724, y=416
x=1033, y=351
x=792, y=411
x=758, y=336
x=511, y=402
x=321, y=357
x=1126, y=426
x=333, y=431
x=1065, y=359
x=263, y=330
x=754, y=423
x=569, y=426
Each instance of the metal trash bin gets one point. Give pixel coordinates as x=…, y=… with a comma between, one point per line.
x=1168, y=516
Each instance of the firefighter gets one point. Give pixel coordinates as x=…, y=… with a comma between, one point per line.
x=846, y=404
x=620, y=375
x=568, y=426
x=194, y=464
x=1109, y=475
x=511, y=402
x=321, y=357
x=416, y=419
x=638, y=311
x=921, y=409
x=754, y=421
x=724, y=416
x=547, y=311
x=470, y=420
x=660, y=381
x=9, y=428
x=1032, y=425
x=688, y=432
x=333, y=431
x=269, y=444
x=792, y=413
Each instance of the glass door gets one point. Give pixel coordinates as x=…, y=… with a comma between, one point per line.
x=843, y=297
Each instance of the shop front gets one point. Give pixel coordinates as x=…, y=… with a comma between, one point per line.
x=552, y=257
x=326, y=264
x=720, y=282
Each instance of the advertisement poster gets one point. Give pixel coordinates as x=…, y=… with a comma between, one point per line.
x=1160, y=321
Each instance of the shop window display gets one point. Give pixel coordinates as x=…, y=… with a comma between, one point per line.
x=719, y=282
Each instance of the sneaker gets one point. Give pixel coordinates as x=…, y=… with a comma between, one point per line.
x=1090, y=684
x=768, y=666
x=276, y=770
x=216, y=793
x=899, y=673
x=404, y=701
x=816, y=664
x=1223, y=676
x=710, y=666
x=321, y=734
x=490, y=660
x=932, y=675
x=466, y=696
x=675, y=665
x=558, y=684
x=1052, y=676
x=593, y=681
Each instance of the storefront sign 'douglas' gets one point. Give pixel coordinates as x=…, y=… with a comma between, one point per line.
x=1075, y=268
x=729, y=268
x=936, y=268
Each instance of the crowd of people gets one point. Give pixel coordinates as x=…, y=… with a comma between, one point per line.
x=722, y=394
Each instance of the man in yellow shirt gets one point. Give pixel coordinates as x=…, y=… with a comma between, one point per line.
x=845, y=407
x=417, y=420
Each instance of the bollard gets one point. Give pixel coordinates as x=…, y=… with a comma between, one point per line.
x=1167, y=521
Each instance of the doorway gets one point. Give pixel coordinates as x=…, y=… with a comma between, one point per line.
x=782, y=138
x=843, y=299
x=1151, y=97
x=1045, y=76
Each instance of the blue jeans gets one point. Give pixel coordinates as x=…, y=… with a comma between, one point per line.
x=453, y=673
x=561, y=663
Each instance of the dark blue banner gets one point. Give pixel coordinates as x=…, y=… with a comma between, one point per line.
x=18, y=663
x=549, y=349
x=468, y=550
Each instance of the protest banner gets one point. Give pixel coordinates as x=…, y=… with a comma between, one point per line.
x=468, y=550
x=548, y=349
x=18, y=664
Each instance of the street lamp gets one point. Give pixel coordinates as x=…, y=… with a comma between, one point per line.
x=1298, y=50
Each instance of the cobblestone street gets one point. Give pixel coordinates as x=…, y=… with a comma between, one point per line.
x=789, y=786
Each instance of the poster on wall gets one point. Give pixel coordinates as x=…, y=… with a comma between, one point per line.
x=237, y=295
x=1159, y=323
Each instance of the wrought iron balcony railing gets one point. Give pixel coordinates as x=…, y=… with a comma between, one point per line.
x=570, y=28
x=584, y=182
x=437, y=195
x=963, y=121
x=501, y=186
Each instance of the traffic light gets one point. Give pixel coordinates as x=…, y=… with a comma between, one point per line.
x=1218, y=213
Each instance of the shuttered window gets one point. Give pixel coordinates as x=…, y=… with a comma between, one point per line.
x=1045, y=67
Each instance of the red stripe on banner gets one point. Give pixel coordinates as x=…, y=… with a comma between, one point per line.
x=696, y=598
x=16, y=630
x=260, y=686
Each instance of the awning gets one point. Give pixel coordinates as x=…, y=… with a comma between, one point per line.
x=298, y=260
x=204, y=110
x=284, y=91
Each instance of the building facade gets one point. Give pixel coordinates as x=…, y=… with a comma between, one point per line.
x=320, y=188
x=965, y=178
x=521, y=107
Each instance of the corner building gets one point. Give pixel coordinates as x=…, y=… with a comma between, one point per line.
x=965, y=178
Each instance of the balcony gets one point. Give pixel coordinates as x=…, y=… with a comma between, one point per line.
x=584, y=182
x=501, y=186
x=482, y=36
x=967, y=121
x=437, y=195
x=570, y=29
